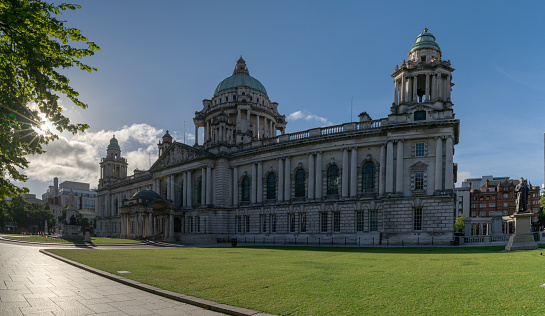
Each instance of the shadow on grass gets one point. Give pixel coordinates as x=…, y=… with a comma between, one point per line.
x=400, y=250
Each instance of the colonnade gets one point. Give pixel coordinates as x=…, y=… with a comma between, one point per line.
x=437, y=87
x=147, y=225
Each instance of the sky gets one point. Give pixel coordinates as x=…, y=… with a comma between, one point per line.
x=160, y=59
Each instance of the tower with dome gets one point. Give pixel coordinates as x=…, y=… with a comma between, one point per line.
x=377, y=181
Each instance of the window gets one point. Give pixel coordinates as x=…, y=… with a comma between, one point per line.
x=336, y=221
x=303, y=222
x=199, y=191
x=300, y=183
x=423, y=58
x=323, y=222
x=419, y=181
x=420, y=115
x=417, y=218
x=333, y=180
x=198, y=223
x=359, y=221
x=373, y=221
x=505, y=195
x=263, y=223
x=419, y=149
x=291, y=222
x=482, y=205
x=505, y=204
x=234, y=98
x=483, y=213
x=246, y=189
x=247, y=223
x=191, y=226
x=271, y=186
x=273, y=223
x=492, y=205
x=368, y=177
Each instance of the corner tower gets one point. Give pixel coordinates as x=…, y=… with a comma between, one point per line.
x=422, y=83
x=113, y=166
x=239, y=112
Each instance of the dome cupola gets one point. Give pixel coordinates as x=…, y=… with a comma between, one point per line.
x=241, y=77
x=114, y=145
x=425, y=40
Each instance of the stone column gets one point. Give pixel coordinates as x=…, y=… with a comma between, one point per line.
x=203, y=186
x=287, y=179
x=184, y=189
x=238, y=120
x=189, y=191
x=248, y=119
x=259, y=182
x=382, y=171
x=122, y=225
x=196, y=134
x=395, y=92
x=438, y=164
x=354, y=173
x=439, y=88
x=235, y=185
x=208, y=185
x=280, y=179
x=427, y=98
x=138, y=227
x=166, y=231
x=399, y=167
x=433, y=87
x=449, y=172
x=389, y=167
x=311, y=173
x=265, y=131
x=403, y=94
x=258, y=131
x=345, y=174
x=171, y=226
x=447, y=86
x=254, y=184
x=150, y=225
x=415, y=88
x=318, y=187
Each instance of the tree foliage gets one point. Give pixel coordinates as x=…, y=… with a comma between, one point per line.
x=24, y=214
x=541, y=215
x=34, y=48
x=460, y=224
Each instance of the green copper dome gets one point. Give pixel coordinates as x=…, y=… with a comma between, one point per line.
x=425, y=40
x=240, y=77
x=114, y=144
x=147, y=194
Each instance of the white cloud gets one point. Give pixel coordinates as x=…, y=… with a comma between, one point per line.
x=300, y=115
x=462, y=175
x=77, y=157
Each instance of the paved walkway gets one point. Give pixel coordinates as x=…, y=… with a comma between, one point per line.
x=32, y=283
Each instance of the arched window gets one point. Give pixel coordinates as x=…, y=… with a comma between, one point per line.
x=333, y=180
x=246, y=189
x=271, y=186
x=368, y=177
x=300, y=183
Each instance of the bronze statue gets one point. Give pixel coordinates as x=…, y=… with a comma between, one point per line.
x=521, y=191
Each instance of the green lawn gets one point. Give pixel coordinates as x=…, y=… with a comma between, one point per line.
x=94, y=240
x=341, y=281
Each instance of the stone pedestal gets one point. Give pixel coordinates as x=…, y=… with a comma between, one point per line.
x=522, y=239
x=87, y=237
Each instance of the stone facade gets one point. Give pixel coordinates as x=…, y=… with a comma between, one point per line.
x=388, y=181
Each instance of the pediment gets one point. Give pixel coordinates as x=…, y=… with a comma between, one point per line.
x=178, y=153
x=419, y=165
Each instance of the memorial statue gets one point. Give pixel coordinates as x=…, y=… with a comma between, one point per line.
x=521, y=191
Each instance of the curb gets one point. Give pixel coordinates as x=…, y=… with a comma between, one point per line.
x=217, y=307
x=61, y=244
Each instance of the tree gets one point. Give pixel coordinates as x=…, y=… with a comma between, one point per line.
x=541, y=215
x=460, y=224
x=34, y=46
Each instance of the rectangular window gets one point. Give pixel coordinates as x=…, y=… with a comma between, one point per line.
x=198, y=223
x=373, y=221
x=419, y=181
x=337, y=221
x=263, y=223
x=482, y=205
x=239, y=224
x=191, y=224
x=483, y=213
x=247, y=223
x=417, y=218
x=323, y=222
x=419, y=149
x=273, y=223
x=291, y=221
x=359, y=221
x=491, y=204
x=303, y=222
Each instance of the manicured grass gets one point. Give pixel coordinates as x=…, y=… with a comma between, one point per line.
x=94, y=240
x=341, y=281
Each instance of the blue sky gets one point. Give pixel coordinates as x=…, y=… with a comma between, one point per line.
x=160, y=59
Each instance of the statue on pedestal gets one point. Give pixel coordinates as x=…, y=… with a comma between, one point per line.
x=521, y=191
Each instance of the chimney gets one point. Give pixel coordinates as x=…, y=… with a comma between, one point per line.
x=56, y=186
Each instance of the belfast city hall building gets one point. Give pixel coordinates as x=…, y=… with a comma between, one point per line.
x=381, y=181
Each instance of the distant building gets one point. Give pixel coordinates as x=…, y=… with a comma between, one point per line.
x=59, y=195
x=31, y=198
x=492, y=199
